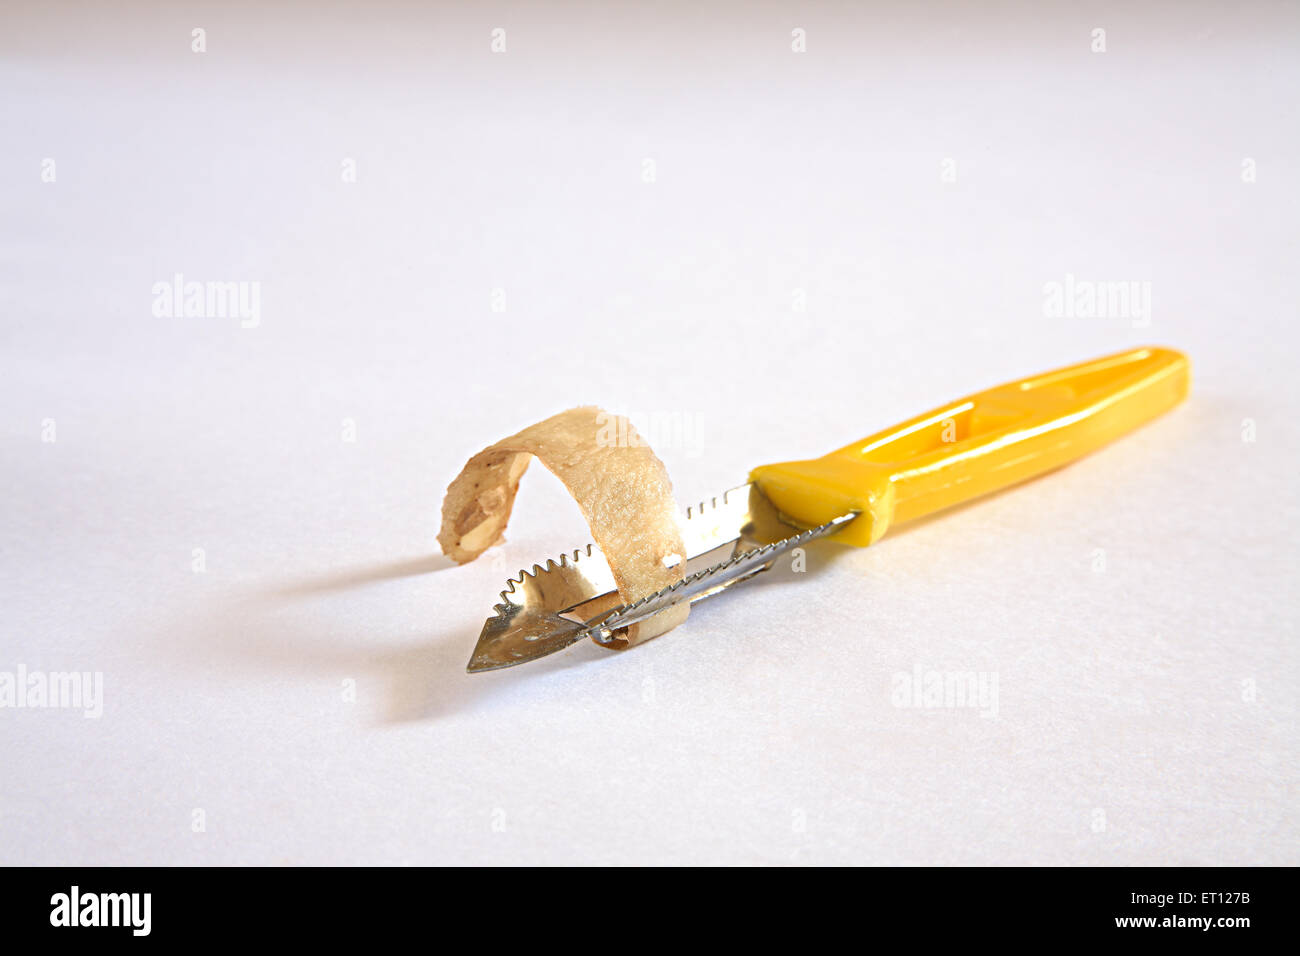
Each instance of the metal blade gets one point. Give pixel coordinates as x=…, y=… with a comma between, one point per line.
x=528, y=622
x=705, y=583
x=728, y=539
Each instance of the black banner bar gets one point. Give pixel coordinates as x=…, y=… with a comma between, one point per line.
x=138, y=905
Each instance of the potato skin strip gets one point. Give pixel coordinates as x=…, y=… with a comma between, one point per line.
x=617, y=481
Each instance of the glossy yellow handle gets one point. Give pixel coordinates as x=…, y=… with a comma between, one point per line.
x=979, y=444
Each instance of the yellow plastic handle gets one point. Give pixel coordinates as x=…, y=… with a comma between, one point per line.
x=979, y=444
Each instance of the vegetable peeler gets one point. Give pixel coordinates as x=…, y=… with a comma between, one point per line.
x=946, y=457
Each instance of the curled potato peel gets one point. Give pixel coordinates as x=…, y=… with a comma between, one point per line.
x=619, y=484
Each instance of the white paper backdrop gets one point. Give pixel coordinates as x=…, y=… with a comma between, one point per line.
x=829, y=242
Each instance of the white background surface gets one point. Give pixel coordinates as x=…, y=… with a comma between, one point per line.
x=764, y=730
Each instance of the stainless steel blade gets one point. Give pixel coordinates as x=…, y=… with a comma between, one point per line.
x=705, y=583
x=728, y=539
